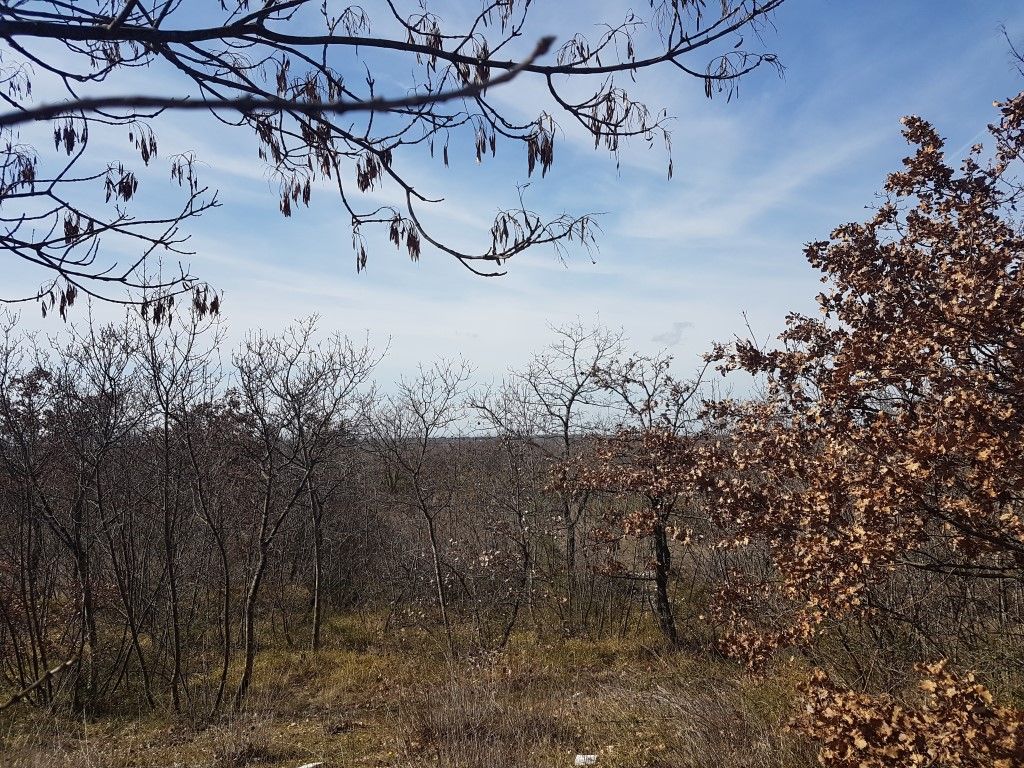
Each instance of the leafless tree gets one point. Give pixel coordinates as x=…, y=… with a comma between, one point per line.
x=415, y=431
x=659, y=419
x=560, y=401
x=319, y=386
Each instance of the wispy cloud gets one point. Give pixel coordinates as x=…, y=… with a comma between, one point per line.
x=673, y=335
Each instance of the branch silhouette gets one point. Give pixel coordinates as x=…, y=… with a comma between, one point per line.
x=250, y=104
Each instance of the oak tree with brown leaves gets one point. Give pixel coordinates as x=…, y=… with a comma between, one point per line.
x=955, y=723
x=886, y=445
x=888, y=437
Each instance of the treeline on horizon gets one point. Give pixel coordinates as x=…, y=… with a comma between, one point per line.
x=164, y=515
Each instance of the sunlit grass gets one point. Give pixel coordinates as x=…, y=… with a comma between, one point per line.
x=396, y=700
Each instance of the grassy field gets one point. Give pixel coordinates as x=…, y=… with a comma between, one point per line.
x=397, y=701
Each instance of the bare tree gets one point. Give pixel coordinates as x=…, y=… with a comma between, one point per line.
x=560, y=401
x=66, y=410
x=274, y=458
x=318, y=385
x=414, y=431
x=651, y=455
x=516, y=482
x=174, y=361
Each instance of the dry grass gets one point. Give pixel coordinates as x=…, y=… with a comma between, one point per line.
x=684, y=723
x=483, y=720
x=398, y=704
x=630, y=706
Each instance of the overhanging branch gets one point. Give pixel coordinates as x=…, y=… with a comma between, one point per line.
x=251, y=103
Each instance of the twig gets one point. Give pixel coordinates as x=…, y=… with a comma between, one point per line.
x=122, y=17
x=248, y=103
x=37, y=684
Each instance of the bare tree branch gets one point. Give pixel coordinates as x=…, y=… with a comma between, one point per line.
x=251, y=104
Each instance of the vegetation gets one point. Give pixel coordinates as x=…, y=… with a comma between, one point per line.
x=272, y=559
x=385, y=698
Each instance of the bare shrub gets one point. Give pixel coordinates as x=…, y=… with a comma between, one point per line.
x=242, y=741
x=478, y=721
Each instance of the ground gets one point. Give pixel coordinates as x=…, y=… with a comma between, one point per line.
x=396, y=702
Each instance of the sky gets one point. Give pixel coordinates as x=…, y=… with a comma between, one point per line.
x=682, y=262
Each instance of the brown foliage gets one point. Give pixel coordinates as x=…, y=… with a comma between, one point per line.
x=955, y=725
x=889, y=434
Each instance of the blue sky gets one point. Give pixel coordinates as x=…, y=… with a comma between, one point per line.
x=680, y=261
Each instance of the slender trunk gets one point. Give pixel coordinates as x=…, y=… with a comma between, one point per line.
x=527, y=556
x=125, y=587
x=318, y=545
x=90, y=633
x=662, y=569
x=570, y=569
x=569, y=620
x=268, y=530
x=249, y=629
x=225, y=626
x=132, y=623
x=442, y=602
x=172, y=576
x=29, y=584
x=218, y=537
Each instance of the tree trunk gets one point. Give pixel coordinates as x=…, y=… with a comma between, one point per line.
x=225, y=625
x=662, y=570
x=569, y=619
x=442, y=601
x=172, y=575
x=91, y=635
x=318, y=546
x=249, y=630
